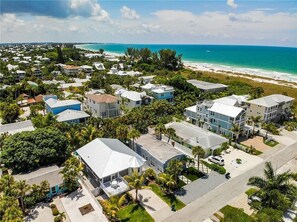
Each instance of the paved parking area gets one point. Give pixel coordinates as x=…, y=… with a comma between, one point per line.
x=153, y=204
x=40, y=213
x=200, y=187
x=77, y=199
x=248, y=161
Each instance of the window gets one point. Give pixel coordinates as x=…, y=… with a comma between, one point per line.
x=53, y=189
x=162, y=94
x=137, y=102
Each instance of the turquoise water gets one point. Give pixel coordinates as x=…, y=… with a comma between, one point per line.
x=279, y=59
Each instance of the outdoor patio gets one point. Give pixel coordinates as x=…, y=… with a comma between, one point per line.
x=115, y=187
x=256, y=142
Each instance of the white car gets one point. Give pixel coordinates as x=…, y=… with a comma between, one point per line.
x=217, y=159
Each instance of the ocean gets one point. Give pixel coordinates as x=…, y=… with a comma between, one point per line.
x=278, y=61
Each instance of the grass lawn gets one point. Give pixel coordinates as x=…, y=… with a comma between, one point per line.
x=232, y=214
x=169, y=199
x=134, y=213
x=251, y=191
x=271, y=143
x=192, y=174
x=180, y=183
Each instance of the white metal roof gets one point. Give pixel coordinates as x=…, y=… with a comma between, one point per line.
x=108, y=156
x=206, y=85
x=69, y=115
x=192, y=108
x=226, y=110
x=132, y=95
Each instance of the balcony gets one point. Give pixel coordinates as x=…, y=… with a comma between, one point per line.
x=116, y=186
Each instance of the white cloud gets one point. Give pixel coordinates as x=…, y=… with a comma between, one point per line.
x=89, y=8
x=10, y=23
x=232, y=4
x=129, y=13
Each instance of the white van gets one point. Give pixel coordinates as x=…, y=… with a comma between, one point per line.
x=217, y=159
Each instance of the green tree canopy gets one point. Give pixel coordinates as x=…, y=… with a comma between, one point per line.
x=29, y=150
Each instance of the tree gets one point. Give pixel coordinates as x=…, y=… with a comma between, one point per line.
x=235, y=128
x=60, y=58
x=270, y=127
x=149, y=174
x=89, y=133
x=170, y=133
x=198, y=152
x=74, y=139
x=167, y=181
x=40, y=121
x=169, y=60
x=133, y=134
x=269, y=215
x=255, y=120
x=21, y=188
x=175, y=167
x=10, y=112
x=276, y=190
x=160, y=129
x=29, y=150
x=70, y=172
x=136, y=182
x=61, y=216
x=122, y=132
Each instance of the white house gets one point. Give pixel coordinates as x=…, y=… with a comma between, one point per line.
x=103, y=105
x=99, y=66
x=106, y=161
x=132, y=99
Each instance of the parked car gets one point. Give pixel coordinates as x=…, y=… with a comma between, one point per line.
x=217, y=159
x=254, y=198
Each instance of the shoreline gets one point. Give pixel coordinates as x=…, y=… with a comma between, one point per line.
x=258, y=75
x=234, y=72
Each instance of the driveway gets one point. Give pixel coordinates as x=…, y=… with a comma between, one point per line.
x=153, y=204
x=248, y=161
x=40, y=213
x=80, y=198
x=200, y=187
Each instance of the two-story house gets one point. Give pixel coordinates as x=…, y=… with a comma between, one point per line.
x=219, y=115
x=160, y=92
x=132, y=99
x=270, y=108
x=104, y=105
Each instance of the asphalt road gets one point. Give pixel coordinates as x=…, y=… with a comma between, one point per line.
x=202, y=208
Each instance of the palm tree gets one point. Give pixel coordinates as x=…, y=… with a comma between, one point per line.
x=168, y=181
x=21, y=188
x=276, y=191
x=170, y=133
x=159, y=129
x=89, y=133
x=6, y=185
x=133, y=134
x=255, y=120
x=122, y=132
x=73, y=136
x=236, y=131
x=70, y=172
x=113, y=205
x=136, y=182
x=12, y=213
x=44, y=189
x=198, y=152
x=269, y=127
x=175, y=167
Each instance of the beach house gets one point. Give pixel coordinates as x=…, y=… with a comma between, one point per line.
x=70, y=70
x=270, y=108
x=159, y=92
x=103, y=105
x=107, y=161
x=219, y=115
x=51, y=174
x=188, y=135
x=208, y=86
x=132, y=99
x=157, y=153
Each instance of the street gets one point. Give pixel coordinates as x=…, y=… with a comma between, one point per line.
x=204, y=207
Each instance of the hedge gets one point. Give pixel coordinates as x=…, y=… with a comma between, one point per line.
x=215, y=167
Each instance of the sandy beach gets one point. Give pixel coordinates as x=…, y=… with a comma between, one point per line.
x=252, y=74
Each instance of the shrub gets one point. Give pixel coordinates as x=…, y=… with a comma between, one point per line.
x=238, y=161
x=57, y=219
x=55, y=211
x=215, y=167
x=53, y=206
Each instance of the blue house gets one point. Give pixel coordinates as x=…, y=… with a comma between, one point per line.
x=51, y=174
x=55, y=106
x=160, y=92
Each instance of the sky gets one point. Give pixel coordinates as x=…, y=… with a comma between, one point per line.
x=230, y=22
